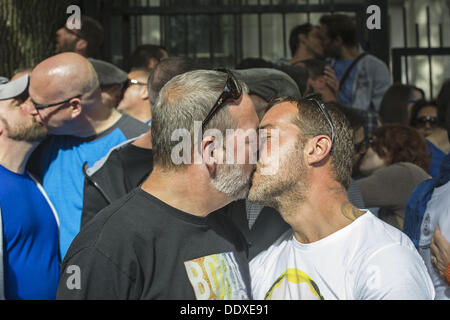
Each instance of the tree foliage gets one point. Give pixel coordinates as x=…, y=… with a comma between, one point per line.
x=27, y=31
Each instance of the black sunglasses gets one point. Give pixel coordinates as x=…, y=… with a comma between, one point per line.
x=45, y=106
x=422, y=121
x=231, y=91
x=314, y=98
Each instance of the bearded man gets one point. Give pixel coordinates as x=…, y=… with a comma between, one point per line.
x=29, y=256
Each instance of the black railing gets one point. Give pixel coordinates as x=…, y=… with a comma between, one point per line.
x=176, y=14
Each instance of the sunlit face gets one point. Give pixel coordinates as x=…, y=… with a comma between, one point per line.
x=234, y=179
x=18, y=124
x=135, y=96
x=280, y=165
x=371, y=162
x=54, y=118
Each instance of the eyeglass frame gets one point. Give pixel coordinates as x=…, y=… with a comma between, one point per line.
x=129, y=82
x=314, y=98
x=223, y=98
x=45, y=106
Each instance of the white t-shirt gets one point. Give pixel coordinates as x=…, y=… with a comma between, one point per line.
x=436, y=213
x=368, y=259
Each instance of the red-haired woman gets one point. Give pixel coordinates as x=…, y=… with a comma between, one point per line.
x=395, y=163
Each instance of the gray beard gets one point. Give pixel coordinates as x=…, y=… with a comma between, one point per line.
x=233, y=181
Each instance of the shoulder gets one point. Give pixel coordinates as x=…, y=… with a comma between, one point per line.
x=373, y=64
x=388, y=266
x=265, y=259
x=131, y=127
x=412, y=170
x=116, y=225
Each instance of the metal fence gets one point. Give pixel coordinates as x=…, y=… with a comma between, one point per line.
x=226, y=31
x=401, y=57
x=216, y=28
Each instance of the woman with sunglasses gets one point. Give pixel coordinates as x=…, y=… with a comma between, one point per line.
x=394, y=164
x=425, y=118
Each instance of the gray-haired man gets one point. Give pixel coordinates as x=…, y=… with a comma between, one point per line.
x=161, y=240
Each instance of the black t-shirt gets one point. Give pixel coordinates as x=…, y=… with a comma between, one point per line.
x=141, y=248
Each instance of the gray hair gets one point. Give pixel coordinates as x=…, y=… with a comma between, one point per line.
x=184, y=99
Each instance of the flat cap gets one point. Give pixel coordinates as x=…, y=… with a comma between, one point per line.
x=108, y=73
x=268, y=83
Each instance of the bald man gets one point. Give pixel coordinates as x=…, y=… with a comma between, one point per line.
x=65, y=97
x=135, y=97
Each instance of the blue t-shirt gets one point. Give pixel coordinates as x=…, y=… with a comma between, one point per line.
x=61, y=163
x=30, y=235
x=346, y=91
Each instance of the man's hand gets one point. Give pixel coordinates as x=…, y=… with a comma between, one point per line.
x=440, y=252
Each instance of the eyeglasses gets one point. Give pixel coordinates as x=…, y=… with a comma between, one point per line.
x=45, y=106
x=314, y=98
x=422, y=121
x=131, y=82
x=231, y=91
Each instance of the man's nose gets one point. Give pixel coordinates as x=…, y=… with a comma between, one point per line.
x=29, y=107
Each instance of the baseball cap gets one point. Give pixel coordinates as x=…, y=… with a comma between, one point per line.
x=14, y=88
x=108, y=73
x=268, y=83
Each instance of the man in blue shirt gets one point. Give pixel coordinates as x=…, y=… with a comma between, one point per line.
x=65, y=96
x=29, y=265
x=363, y=78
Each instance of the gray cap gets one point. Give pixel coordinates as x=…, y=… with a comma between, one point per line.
x=14, y=88
x=108, y=73
x=268, y=83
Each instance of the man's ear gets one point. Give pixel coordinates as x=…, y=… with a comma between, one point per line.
x=317, y=149
x=144, y=93
x=81, y=45
x=152, y=63
x=212, y=153
x=76, y=107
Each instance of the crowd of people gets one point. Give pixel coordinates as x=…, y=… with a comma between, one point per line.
x=119, y=185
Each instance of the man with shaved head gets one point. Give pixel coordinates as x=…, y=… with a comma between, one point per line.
x=65, y=97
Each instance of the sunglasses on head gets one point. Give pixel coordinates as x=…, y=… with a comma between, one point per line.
x=232, y=91
x=317, y=101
